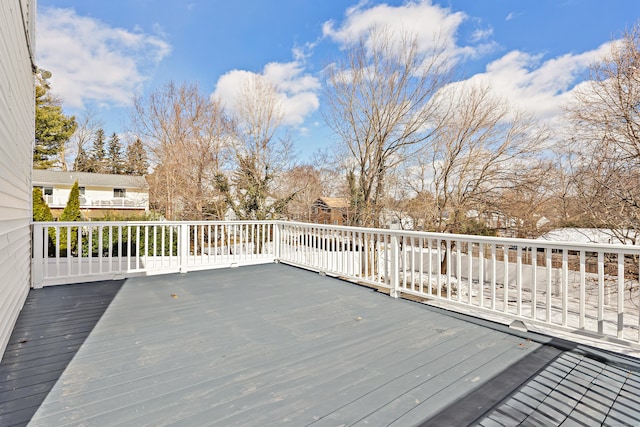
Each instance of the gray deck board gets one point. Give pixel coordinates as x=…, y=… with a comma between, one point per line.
x=574, y=390
x=50, y=330
x=291, y=347
x=272, y=344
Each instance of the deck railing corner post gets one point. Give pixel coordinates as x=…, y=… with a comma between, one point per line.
x=37, y=258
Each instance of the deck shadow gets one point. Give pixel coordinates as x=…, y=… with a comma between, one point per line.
x=50, y=329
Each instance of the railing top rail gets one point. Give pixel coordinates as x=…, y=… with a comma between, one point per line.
x=501, y=241
x=510, y=241
x=142, y=222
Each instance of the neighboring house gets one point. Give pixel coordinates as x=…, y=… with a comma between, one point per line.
x=17, y=129
x=542, y=222
x=504, y=225
x=330, y=210
x=396, y=220
x=100, y=194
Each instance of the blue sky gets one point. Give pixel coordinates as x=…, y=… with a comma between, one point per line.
x=102, y=53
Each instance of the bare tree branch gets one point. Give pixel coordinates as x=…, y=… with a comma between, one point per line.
x=379, y=105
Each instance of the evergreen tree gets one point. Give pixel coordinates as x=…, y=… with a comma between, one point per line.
x=137, y=162
x=248, y=192
x=41, y=211
x=115, y=162
x=98, y=154
x=53, y=130
x=83, y=162
x=71, y=212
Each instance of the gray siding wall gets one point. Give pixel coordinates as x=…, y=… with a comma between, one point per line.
x=16, y=140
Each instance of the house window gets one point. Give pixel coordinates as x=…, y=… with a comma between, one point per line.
x=47, y=191
x=119, y=192
x=81, y=190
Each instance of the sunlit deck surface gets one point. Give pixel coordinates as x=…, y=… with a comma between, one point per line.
x=273, y=344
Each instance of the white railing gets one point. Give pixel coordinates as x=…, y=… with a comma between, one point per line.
x=87, y=202
x=580, y=288
x=72, y=252
x=117, y=202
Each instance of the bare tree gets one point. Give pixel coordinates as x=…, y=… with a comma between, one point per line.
x=477, y=153
x=304, y=181
x=414, y=193
x=88, y=125
x=605, y=125
x=186, y=134
x=524, y=206
x=329, y=168
x=378, y=104
x=565, y=208
x=260, y=153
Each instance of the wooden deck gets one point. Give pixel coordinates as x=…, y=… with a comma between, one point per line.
x=272, y=344
x=52, y=326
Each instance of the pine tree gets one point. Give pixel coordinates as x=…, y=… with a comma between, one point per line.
x=137, y=162
x=41, y=211
x=98, y=154
x=83, y=161
x=115, y=162
x=71, y=212
x=53, y=130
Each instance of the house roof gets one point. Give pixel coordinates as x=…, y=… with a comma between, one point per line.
x=335, y=202
x=271, y=343
x=47, y=176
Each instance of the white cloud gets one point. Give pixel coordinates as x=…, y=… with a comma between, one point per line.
x=481, y=34
x=297, y=90
x=302, y=52
x=93, y=62
x=525, y=80
x=432, y=25
x=536, y=86
x=511, y=15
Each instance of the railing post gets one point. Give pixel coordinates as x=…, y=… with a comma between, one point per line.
x=183, y=247
x=276, y=241
x=37, y=260
x=620, y=319
x=395, y=267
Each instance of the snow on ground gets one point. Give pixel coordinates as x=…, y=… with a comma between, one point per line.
x=495, y=299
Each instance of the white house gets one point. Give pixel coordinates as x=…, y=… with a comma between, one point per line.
x=396, y=220
x=99, y=193
x=17, y=129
